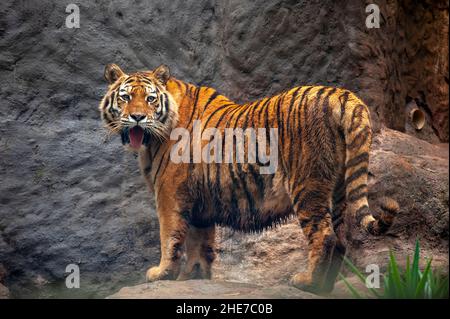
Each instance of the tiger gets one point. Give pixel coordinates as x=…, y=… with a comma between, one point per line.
x=324, y=137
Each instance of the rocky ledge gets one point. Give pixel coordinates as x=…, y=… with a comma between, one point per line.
x=220, y=289
x=209, y=289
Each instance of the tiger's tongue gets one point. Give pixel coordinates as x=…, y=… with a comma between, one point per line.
x=136, y=135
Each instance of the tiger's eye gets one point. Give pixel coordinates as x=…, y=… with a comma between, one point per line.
x=125, y=97
x=151, y=99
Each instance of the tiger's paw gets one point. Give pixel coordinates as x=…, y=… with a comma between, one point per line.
x=159, y=273
x=195, y=272
x=303, y=281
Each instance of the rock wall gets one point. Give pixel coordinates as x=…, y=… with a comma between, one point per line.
x=405, y=59
x=69, y=194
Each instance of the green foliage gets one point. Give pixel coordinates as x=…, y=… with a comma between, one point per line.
x=408, y=283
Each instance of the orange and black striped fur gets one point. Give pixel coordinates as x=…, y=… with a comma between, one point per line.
x=324, y=139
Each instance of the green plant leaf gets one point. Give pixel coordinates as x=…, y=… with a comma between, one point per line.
x=355, y=270
x=394, y=277
x=415, y=271
x=407, y=283
x=420, y=291
x=350, y=287
x=408, y=274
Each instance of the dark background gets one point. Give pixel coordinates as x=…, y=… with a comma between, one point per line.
x=68, y=194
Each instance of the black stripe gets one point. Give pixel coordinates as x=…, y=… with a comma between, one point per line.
x=147, y=81
x=107, y=102
x=239, y=116
x=210, y=99
x=164, y=107
x=357, y=193
x=261, y=107
x=361, y=158
x=281, y=127
x=360, y=139
x=231, y=113
x=194, y=106
x=360, y=172
x=166, y=103
x=241, y=175
x=153, y=155
x=177, y=83
x=310, y=118
x=327, y=115
x=166, y=163
x=361, y=212
x=251, y=107
x=343, y=103
x=214, y=112
x=299, y=112
x=252, y=117
x=224, y=113
x=304, y=222
x=297, y=196
x=266, y=121
x=159, y=166
x=186, y=88
x=297, y=139
x=356, y=117
x=289, y=110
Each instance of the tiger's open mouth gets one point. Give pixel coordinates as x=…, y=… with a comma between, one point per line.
x=135, y=136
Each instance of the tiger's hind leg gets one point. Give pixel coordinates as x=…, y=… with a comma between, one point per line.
x=312, y=205
x=338, y=211
x=335, y=266
x=200, y=253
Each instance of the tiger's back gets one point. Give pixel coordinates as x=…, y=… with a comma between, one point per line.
x=236, y=194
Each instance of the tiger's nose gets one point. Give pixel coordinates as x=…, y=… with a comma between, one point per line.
x=137, y=117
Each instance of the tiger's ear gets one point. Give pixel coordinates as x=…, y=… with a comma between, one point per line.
x=112, y=73
x=162, y=73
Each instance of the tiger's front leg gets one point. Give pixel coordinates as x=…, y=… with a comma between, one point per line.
x=173, y=229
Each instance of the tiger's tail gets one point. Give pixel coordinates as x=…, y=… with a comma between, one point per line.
x=358, y=138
